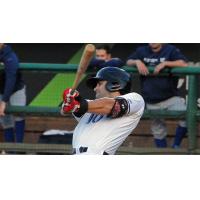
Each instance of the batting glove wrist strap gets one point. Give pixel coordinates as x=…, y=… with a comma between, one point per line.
x=83, y=108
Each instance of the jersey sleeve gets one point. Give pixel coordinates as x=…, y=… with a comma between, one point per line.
x=137, y=54
x=11, y=66
x=177, y=55
x=95, y=64
x=114, y=62
x=135, y=103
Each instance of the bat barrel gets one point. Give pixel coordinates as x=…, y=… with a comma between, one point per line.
x=84, y=62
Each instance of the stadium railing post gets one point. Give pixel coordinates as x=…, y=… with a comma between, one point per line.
x=191, y=113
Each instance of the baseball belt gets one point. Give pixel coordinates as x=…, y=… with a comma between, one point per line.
x=84, y=150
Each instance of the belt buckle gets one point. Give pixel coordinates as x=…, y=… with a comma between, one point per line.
x=79, y=150
x=83, y=149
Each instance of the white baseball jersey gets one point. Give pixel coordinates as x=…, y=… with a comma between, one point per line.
x=100, y=133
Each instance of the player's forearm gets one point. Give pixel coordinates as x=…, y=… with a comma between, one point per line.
x=178, y=63
x=132, y=62
x=101, y=106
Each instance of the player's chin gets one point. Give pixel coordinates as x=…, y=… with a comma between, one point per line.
x=98, y=96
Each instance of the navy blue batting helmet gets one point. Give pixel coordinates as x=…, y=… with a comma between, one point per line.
x=117, y=79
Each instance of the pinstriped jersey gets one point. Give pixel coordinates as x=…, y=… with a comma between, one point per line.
x=101, y=133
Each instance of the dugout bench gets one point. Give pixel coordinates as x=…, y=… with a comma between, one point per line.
x=192, y=114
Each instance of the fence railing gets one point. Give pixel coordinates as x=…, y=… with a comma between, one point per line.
x=192, y=114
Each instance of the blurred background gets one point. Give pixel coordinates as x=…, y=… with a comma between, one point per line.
x=45, y=88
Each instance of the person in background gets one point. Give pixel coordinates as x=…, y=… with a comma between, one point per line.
x=160, y=92
x=103, y=58
x=12, y=92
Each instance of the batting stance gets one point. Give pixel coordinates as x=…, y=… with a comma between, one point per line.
x=104, y=123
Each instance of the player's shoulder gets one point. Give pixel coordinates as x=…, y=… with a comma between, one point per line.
x=116, y=59
x=170, y=47
x=135, y=103
x=133, y=97
x=114, y=62
x=6, y=49
x=142, y=48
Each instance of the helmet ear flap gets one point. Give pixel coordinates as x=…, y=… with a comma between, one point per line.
x=113, y=86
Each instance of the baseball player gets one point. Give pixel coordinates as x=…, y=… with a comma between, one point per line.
x=104, y=123
x=12, y=91
x=160, y=92
x=104, y=58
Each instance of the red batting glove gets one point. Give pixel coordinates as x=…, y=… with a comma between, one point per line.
x=70, y=107
x=68, y=97
x=70, y=104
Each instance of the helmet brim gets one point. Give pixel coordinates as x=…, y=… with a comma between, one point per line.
x=92, y=82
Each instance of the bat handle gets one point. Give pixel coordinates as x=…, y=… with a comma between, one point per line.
x=72, y=91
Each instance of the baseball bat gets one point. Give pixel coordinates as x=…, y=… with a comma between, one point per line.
x=83, y=64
